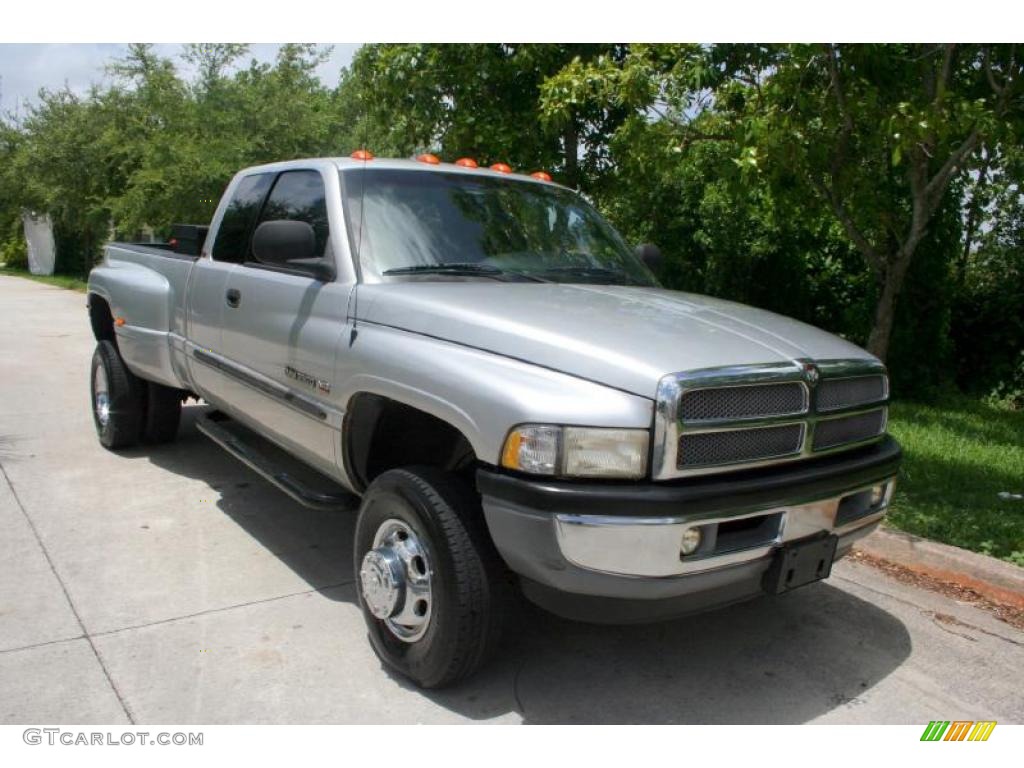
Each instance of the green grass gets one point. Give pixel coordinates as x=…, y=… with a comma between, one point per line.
x=60, y=281
x=959, y=455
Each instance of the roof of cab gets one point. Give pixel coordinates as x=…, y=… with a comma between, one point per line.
x=343, y=163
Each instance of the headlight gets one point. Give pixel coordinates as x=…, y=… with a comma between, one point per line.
x=576, y=451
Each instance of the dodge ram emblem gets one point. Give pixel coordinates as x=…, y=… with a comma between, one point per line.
x=811, y=373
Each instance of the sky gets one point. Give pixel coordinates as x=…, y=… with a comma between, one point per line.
x=24, y=69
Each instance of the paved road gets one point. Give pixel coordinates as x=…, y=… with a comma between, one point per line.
x=171, y=585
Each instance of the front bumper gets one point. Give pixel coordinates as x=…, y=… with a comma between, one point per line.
x=610, y=552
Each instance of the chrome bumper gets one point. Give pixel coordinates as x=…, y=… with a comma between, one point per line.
x=650, y=546
x=612, y=551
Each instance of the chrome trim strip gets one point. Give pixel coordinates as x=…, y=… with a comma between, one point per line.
x=649, y=547
x=704, y=427
x=300, y=403
x=837, y=369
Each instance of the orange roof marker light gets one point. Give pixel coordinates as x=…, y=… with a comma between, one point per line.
x=362, y=154
x=429, y=159
x=466, y=162
x=501, y=168
x=541, y=176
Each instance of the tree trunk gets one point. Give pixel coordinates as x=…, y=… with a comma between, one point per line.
x=572, y=148
x=885, y=309
x=974, y=212
x=894, y=266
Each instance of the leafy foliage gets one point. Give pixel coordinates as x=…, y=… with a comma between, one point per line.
x=481, y=101
x=988, y=316
x=876, y=133
x=153, y=149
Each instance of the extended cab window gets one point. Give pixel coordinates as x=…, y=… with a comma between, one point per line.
x=300, y=196
x=233, y=234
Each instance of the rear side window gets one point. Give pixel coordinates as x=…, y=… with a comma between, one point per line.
x=232, y=241
x=300, y=196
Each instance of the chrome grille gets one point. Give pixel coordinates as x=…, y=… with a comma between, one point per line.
x=834, y=394
x=730, y=418
x=702, y=449
x=848, y=429
x=744, y=402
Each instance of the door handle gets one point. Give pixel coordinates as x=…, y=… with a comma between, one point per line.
x=234, y=297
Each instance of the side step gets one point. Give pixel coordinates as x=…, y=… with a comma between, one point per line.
x=240, y=443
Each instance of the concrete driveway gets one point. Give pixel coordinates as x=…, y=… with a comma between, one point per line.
x=172, y=585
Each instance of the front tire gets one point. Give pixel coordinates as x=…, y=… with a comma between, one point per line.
x=117, y=398
x=433, y=590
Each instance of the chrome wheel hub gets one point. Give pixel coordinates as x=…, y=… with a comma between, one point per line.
x=395, y=581
x=101, y=396
x=383, y=581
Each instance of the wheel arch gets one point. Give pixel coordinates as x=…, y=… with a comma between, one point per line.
x=381, y=432
x=101, y=318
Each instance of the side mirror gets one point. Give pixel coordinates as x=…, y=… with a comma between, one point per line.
x=289, y=243
x=650, y=254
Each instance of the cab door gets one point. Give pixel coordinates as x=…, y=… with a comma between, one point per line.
x=282, y=328
x=207, y=286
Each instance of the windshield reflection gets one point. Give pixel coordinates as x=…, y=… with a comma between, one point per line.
x=408, y=221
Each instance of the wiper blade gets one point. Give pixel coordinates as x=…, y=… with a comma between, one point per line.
x=451, y=268
x=571, y=270
x=459, y=268
x=598, y=272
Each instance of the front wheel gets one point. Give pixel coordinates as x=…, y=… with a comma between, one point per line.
x=432, y=588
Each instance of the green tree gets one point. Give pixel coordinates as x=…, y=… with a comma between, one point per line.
x=989, y=313
x=479, y=100
x=60, y=168
x=12, y=249
x=876, y=133
x=179, y=143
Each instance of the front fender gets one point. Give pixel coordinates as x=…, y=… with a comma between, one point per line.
x=481, y=394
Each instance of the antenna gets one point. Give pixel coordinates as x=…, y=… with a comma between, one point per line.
x=356, y=261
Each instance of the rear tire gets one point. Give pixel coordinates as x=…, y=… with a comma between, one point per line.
x=162, y=413
x=117, y=398
x=466, y=595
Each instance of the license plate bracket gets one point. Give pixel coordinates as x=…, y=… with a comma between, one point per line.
x=799, y=563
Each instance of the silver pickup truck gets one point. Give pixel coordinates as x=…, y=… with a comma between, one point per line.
x=523, y=410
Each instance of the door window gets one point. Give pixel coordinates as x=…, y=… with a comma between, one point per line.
x=232, y=240
x=299, y=196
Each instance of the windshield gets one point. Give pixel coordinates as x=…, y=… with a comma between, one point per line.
x=441, y=226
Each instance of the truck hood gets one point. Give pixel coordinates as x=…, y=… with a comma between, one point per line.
x=624, y=337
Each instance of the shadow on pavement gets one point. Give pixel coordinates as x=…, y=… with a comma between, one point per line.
x=788, y=659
